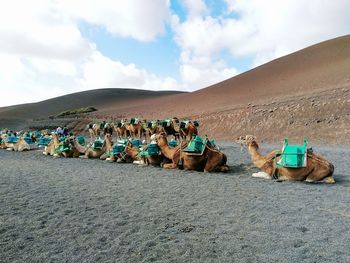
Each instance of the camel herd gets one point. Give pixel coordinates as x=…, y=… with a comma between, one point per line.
x=160, y=152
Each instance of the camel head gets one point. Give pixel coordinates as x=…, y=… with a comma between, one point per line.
x=54, y=136
x=249, y=140
x=131, y=151
x=161, y=139
x=108, y=137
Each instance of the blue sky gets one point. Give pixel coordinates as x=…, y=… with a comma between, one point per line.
x=50, y=48
x=160, y=55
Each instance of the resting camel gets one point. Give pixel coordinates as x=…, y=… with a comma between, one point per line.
x=129, y=155
x=73, y=152
x=95, y=153
x=212, y=160
x=50, y=149
x=318, y=169
x=19, y=146
x=154, y=160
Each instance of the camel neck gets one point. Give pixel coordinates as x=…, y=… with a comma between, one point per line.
x=166, y=150
x=258, y=159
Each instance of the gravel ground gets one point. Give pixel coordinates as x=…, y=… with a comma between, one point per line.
x=75, y=210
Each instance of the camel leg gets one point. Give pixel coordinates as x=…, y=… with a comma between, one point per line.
x=321, y=175
x=328, y=180
x=85, y=156
x=170, y=166
x=261, y=175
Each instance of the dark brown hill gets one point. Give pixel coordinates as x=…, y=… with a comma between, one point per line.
x=99, y=98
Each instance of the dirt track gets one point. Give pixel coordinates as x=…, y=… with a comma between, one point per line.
x=74, y=210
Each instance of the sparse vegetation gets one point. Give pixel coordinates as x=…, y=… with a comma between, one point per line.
x=76, y=111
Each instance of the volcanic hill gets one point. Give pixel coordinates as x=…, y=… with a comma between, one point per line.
x=306, y=93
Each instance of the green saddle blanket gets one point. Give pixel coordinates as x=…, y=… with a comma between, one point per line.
x=64, y=146
x=98, y=144
x=293, y=156
x=196, y=145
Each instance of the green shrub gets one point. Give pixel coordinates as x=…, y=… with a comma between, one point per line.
x=76, y=111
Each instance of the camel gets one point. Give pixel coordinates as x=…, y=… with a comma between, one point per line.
x=94, y=131
x=212, y=160
x=129, y=155
x=189, y=131
x=317, y=169
x=136, y=128
x=146, y=159
x=50, y=149
x=72, y=152
x=19, y=146
x=172, y=129
x=95, y=153
x=121, y=130
x=152, y=127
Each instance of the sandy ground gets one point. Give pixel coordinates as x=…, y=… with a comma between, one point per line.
x=74, y=210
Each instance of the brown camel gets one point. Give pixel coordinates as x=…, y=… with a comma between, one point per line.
x=19, y=146
x=94, y=131
x=121, y=130
x=154, y=160
x=189, y=131
x=96, y=153
x=212, y=160
x=317, y=169
x=130, y=154
x=72, y=152
x=136, y=128
x=153, y=127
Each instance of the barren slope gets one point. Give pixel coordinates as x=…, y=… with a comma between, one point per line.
x=309, y=89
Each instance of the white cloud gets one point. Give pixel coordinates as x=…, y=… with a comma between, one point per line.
x=263, y=30
x=273, y=28
x=195, y=8
x=141, y=20
x=44, y=55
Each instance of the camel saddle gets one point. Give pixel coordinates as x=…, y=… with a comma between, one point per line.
x=293, y=156
x=184, y=124
x=81, y=140
x=11, y=139
x=64, y=146
x=118, y=149
x=166, y=123
x=98, y=144
x=44, y=141
x=152, y=149
x=151, y=125
x=136, y=143
x=134, y=121
x=28, y=139
x=172, y=143
x=196, y=145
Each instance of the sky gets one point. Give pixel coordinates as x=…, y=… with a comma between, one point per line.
x=50, y=48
